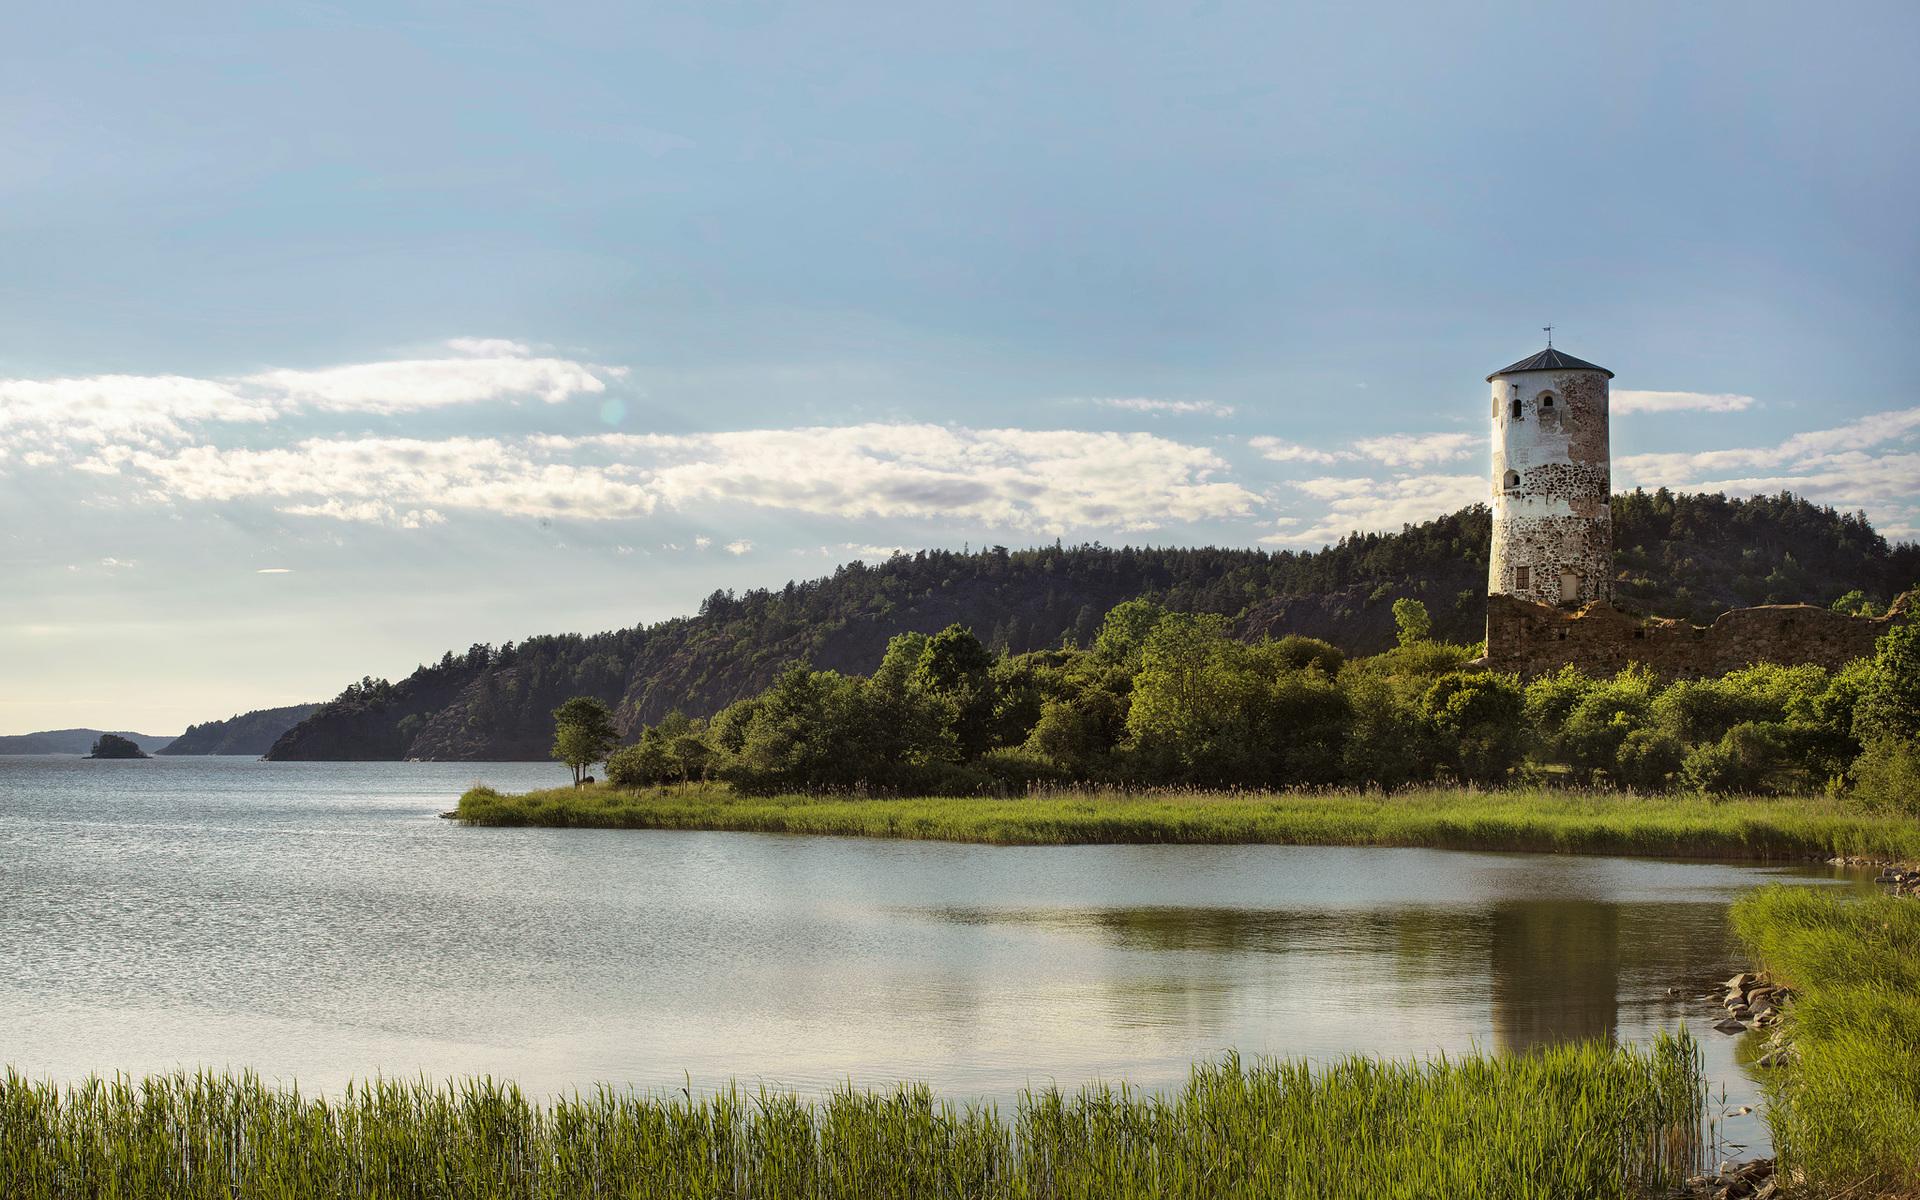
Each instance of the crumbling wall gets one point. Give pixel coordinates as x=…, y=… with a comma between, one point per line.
x=1600, y=638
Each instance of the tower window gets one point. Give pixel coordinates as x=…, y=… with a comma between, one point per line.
x=1522, y=578
x=1510, y=480
x=1546, y=399
x=1515, y=412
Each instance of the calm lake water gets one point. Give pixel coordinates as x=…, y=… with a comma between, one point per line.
x=315, y=921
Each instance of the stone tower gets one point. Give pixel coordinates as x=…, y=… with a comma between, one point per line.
x=1552, y=481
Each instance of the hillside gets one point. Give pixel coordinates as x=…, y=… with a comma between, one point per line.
x=244, y=733
x=73, y=741
x=1677, y=555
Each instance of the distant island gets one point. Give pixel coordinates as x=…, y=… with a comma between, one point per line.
x=74, y=741
x=252, y=733
x=1676, y=555
x=112, y=745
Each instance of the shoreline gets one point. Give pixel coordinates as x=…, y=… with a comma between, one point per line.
x=1774, y=829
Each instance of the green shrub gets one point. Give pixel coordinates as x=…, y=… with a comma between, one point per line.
x=1295, y=652
x=643, y=764
x=1479, y=715
x=1746, y=761
x=1886, y=777
x=1016, y=772
x=1648, y=759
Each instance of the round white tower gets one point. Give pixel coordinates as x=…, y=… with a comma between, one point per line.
x=1552, y=481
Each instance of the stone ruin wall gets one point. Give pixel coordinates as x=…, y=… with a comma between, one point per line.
x=1559, y=516
x=1537, y=639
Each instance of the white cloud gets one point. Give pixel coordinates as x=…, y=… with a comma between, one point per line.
x=274, y=571
x=1627, y=400
x=103, y=410
x=1807, y=449
x=1366, y=505
x=702, y=542
x=1395, y=449
x=739, y=546
x=1042, y=481
x=1419, y=449
x=409, y=385
x=107, y=416
x=117, y=564
x=1045, y=481
x=1143, y=404
x=488, y=347
x=1281, y=450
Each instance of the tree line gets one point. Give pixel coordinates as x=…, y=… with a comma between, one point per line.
x=1162, y=698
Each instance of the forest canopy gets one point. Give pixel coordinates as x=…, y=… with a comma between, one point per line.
x=1676, y=555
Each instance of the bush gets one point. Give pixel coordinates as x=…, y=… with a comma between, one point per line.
x=1746, y=760
x=1648, y=758
x=1480, y=715
x=1295, y=652
x=643, y=764
x=1890, y=701
x=1017, y=772
x=1887, y=777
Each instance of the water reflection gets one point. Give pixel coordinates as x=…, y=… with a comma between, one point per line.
x=1546, y=970
x=1553, y=972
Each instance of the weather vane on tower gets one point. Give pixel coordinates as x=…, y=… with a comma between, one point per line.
x=1548, y=330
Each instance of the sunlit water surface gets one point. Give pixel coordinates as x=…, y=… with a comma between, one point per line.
x=316, y=921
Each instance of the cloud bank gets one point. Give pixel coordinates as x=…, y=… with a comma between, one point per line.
x=153, y=411
x=1041, y=481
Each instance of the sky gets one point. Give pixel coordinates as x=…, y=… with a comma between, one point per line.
x=333, y=336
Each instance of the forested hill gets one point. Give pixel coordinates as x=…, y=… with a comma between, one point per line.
x=245, y=733
x=1683, y=555
x=70, y=741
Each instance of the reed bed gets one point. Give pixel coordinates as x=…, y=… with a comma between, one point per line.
x=1845, y=1113
x=1532, y=819
x=1588, y=1120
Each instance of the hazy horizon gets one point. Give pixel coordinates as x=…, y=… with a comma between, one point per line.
x=345, y=335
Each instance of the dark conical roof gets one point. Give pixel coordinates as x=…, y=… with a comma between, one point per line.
x=1551, y=360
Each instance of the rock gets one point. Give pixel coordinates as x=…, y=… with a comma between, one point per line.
x=1731, y=1026
x=1739, y=982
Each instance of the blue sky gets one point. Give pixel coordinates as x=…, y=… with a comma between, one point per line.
x=338, y=335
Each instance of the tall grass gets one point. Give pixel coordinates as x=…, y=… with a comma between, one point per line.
x=1847, y=1112
x=1452, y=818
x=1587, y=1120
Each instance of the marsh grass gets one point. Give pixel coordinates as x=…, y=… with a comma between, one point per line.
x=1847, y=1113
x=1585, y=1120
x=1540, y=819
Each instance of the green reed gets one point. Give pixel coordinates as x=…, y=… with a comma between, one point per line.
x=1585, y=1120
x=1537, y=819
x=1845, y=1113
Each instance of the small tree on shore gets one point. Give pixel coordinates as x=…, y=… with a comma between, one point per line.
x=583, y=734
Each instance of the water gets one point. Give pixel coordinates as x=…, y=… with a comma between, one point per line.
x=315, y=921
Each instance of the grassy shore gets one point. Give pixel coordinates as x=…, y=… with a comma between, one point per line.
x=1846, y=1113
x=1588, y=1120
x=1521, y=819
